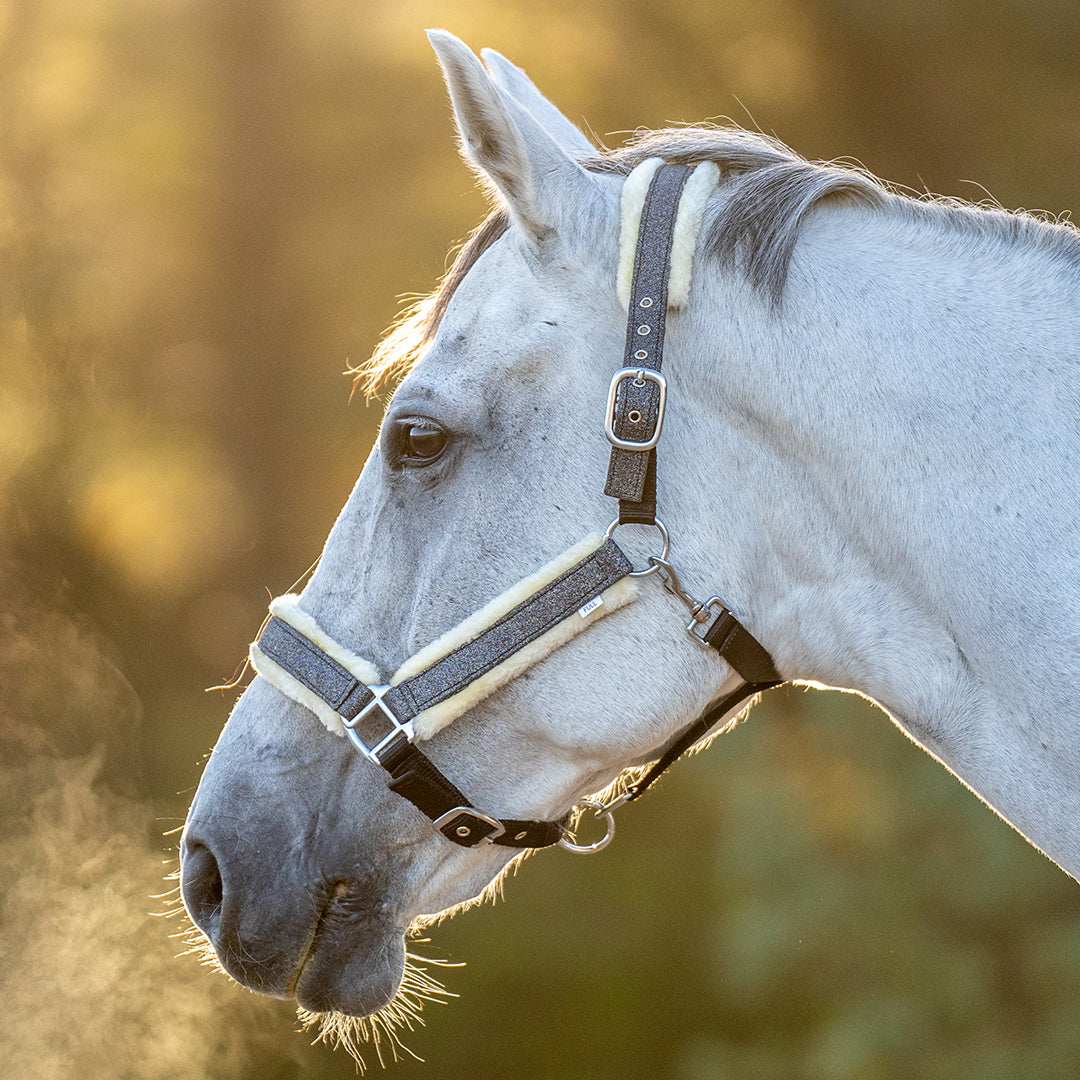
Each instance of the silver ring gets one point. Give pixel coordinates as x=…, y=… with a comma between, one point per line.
x=655, y=566
x=598, y=845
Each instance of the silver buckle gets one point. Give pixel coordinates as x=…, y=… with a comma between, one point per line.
x=463, y=831
x=640, y=377
x=398, y=729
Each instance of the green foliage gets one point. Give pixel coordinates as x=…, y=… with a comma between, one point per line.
x=208, y=209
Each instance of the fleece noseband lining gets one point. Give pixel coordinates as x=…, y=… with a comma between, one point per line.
x=433, y=718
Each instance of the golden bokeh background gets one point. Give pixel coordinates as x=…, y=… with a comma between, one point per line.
x=209, y=209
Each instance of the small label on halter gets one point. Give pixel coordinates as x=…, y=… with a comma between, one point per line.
x=591, y=606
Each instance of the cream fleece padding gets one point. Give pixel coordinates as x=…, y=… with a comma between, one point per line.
x=432, y=720
x=288, y=610
x=297, y=691
x=635, y=188
x=495, y=609
x=428, y=722
x=695, y=195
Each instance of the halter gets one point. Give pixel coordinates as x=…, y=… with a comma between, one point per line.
x=662, y=207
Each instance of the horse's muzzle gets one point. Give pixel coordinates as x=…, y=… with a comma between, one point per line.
x=330, y=944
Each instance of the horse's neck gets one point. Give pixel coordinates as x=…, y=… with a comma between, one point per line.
x=917, y=412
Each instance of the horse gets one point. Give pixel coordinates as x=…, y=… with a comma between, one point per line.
x=869, y=452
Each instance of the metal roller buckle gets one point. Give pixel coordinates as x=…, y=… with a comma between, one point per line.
x=460, y=825
x=398, y=730
x=640, y=377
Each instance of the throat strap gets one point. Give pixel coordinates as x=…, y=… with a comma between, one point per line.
x=726, y=636
x=692, y=735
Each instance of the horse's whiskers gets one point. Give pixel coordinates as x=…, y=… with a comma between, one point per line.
x=171, y=901
x=383, y=1028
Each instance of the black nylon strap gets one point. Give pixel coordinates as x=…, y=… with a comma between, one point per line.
x=636, y=410
x=416, y=778
x=741, y=649
x=641, y=511
x=694, y=733
x=723, y=633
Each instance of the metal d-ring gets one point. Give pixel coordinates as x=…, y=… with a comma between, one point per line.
x=598, y=845
x=654, y=563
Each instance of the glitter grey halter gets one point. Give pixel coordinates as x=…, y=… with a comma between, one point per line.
x=379, y=719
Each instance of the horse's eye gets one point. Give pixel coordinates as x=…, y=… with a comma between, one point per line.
x=421, y=441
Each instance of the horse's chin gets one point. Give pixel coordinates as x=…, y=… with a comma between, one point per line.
x=350, y=973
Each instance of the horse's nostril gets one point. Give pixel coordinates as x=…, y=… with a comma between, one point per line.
x=200, y=885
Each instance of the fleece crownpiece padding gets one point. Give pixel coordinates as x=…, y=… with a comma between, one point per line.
x=695, y=195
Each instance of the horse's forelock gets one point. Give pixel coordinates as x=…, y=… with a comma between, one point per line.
x=413, y=330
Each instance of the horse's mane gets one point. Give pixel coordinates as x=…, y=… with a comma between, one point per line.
x=769, y=191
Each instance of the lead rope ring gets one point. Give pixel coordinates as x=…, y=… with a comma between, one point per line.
x=600, y=811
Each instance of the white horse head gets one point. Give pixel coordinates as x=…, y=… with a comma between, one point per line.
x=869, y=451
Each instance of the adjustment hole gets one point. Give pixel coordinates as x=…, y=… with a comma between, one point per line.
x=634, y=416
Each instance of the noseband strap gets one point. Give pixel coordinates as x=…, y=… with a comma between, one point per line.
x=383, y=721
x=380, y=719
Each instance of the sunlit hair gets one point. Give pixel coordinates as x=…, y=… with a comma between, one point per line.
x=768, y=189
x=382, y=1030
x=412, y=331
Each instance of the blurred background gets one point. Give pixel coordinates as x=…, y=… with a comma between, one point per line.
x=208, y=210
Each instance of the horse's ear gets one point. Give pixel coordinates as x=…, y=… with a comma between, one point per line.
x=516, y=84
x=510, y=147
